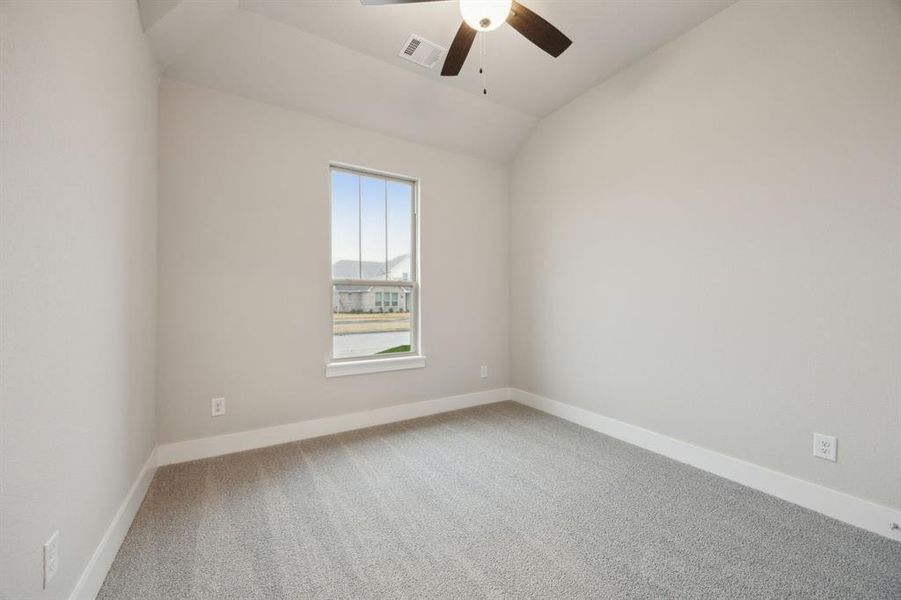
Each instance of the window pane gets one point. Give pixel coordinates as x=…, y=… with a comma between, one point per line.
x=400, y=230
x=359, y=328
x=372, y=233
x=345, y=225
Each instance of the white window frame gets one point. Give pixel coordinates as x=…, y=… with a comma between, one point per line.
x=415, y=359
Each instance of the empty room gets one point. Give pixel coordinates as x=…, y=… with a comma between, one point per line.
x=383, y=299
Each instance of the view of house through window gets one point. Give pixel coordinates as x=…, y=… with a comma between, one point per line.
x=373, y=265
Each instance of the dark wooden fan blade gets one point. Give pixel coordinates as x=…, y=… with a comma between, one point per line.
x=459, y=49
x=537, y=30
x=377, y=2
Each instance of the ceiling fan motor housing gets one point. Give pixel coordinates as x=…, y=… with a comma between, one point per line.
x=485, y=15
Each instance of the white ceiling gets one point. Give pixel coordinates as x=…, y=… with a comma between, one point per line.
x=338, y=59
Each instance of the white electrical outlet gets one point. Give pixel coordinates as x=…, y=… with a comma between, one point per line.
x=484, y=371
x=217, y=407
x=51, y=558
x=824, y=446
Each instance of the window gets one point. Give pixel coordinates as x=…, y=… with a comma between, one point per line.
x=374, y=258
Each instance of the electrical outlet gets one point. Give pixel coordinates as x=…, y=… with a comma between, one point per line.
x=217, y=407
x=824, y=446
x=51, y=558
x=484, y=371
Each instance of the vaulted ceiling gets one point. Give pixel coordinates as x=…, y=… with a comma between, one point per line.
x=339, y=59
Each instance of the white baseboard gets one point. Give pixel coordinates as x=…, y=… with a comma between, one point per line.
x=838, y=505
x=95, y=572
x=281, y=434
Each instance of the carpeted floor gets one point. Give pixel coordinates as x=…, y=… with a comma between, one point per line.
x=499, y=501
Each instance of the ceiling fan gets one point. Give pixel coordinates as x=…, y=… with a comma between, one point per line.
x=487, y=15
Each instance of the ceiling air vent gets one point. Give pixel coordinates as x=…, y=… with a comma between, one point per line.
x=421, y=51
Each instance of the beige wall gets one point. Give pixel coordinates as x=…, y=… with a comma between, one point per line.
x=708, y=245
x=78, y=289
x=244, y=266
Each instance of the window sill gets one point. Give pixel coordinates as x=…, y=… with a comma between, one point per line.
x=376, y=365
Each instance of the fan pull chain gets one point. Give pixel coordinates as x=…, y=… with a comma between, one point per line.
x=482, y=57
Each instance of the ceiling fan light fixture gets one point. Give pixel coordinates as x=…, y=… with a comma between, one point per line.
x=485, y=15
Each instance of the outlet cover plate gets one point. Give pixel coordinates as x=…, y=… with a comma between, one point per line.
x=825, y=446
x=217, y=407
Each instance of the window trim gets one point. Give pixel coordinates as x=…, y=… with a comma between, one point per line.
x=362, y=366
x=414, y=359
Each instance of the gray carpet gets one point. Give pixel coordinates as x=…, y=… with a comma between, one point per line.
x=499, y=501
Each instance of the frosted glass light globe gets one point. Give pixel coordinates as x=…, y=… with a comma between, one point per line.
x=485, y=15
